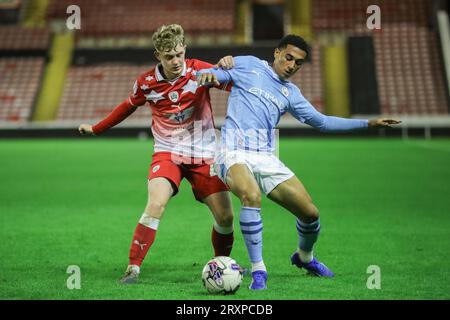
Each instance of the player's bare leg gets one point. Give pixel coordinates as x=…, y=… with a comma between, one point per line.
x=222, y=232
x=243, y=184
x=292, y=195
x=160, y=191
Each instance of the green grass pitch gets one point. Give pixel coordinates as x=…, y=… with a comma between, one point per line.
x=77, y=202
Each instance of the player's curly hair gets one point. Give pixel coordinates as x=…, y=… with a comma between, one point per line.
x=168, y=37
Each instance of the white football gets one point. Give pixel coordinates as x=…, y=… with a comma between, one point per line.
x=222, y=275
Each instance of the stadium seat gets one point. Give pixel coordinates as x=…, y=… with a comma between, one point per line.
x=20, y=38
x=19, y=87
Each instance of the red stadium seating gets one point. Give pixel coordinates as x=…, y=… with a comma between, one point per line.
x=92, y=92
x=409, y=73
x=16, y=37
x=117, y=17
x=18, y=87
x=350, y=15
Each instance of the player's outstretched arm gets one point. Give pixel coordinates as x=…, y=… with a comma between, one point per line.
x=86, y=129
x=117, y=115
x=303, y=110
x=383, y=123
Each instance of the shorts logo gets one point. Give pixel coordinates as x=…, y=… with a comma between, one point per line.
x=173, y=96
x=155, y=168
x=285, y=91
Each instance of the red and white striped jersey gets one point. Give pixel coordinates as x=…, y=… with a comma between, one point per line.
x=182, y=120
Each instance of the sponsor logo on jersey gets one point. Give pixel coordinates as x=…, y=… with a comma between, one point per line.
x=156, y=168
x=182, y=115
x=266, y=94
x=173, y=96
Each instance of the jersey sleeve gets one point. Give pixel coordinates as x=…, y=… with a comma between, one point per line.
x=223, y=76
x=242, y=64
x=137, y=97
x=303, y=111
x=201, y=65
x=117, y=115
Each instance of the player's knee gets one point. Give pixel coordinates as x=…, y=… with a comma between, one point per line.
x=251, y=199
x=225, y=218
x=155, y=209
x=310, y=214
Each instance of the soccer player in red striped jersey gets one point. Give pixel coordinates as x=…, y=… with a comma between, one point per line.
x=180, y=110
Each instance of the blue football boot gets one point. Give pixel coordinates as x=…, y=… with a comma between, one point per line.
x=314, y=267
x=259, y=279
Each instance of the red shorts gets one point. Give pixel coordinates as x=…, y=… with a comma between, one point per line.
x=202, y=177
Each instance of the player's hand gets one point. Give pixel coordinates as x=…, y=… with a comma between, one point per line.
x=226, y=62
x=86, y=129
x=383, y=123
x=207, y=78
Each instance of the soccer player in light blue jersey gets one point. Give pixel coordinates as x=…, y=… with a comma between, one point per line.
x=260, y=95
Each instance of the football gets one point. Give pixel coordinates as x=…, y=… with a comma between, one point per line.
x=222, y=275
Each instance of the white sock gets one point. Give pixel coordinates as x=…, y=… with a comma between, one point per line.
x=223, y=230
x=305, y=256
x=149, y=221
x=134, y=267
x=258, y=266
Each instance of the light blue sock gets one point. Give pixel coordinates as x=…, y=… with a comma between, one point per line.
x=308, y=234
x=252, y=228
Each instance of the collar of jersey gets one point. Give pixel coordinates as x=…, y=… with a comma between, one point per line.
x=268, y=66
x=159, y=76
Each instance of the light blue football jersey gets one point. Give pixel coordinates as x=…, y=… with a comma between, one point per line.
x=257, y=101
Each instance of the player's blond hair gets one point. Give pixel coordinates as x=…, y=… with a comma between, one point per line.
x=167, y=37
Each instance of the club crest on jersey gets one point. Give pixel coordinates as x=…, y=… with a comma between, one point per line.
x=285, y=91
x=173, y=96
x=156, y=168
